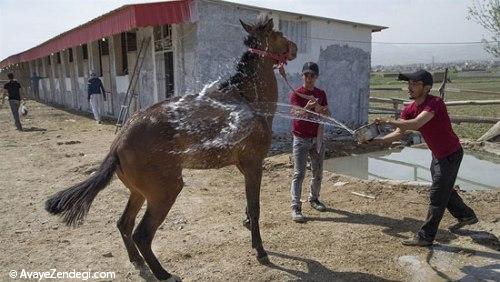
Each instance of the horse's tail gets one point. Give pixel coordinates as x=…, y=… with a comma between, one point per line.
x=73, y=204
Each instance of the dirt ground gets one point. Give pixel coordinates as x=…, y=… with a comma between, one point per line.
x=357, y=239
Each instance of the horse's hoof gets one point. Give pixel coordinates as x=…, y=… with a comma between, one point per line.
x=246, y=223
x=139, y=264
x=173, y=278
x=264, y=259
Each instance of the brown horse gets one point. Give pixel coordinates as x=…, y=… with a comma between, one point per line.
x=213, y=129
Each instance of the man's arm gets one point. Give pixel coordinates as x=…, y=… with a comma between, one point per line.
x=103, y=91
x=411, y=124
x=23, y=93
x=389, y=138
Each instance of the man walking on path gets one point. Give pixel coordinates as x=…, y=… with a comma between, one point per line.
x=13, y=89
x=428, y=114
x=96, y=94
x=306, y=140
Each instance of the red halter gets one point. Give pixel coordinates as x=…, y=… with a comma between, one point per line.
x=280, y=59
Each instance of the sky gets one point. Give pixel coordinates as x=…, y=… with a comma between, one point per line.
x=26, y=23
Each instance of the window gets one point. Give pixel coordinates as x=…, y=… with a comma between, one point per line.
x=85, y=51
x=104, y=47
x=48, y=60
x=67, y=64
x=128, y=42
x=79, y=60
x=297, y=31
x=163, y=38
x=70, y=50
x=57, y=66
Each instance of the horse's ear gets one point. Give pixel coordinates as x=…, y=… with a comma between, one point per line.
x=249, y=28
x=269, y=25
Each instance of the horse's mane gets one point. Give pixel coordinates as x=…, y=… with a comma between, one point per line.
x=244, y=67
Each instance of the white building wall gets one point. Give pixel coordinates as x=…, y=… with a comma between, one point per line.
x=342, y=52
x=344, y=64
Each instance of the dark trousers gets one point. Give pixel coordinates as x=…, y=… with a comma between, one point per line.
x=443, y=196
x=14, y=107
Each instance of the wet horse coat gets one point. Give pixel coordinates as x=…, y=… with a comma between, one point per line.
x=213, y=129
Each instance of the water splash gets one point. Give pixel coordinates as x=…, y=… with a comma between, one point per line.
x=295, y=112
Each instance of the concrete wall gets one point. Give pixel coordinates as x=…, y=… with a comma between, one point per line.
x=344, y=65
x=185, y=46
x=148, y=94
x=220, y=41
x=344, y=70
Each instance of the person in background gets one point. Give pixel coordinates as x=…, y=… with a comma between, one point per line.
x=96, y=94
x=305, y=140
x=35, y=84
x=13, y=89
x=428, y=114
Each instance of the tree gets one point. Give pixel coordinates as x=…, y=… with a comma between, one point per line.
x=487, y=14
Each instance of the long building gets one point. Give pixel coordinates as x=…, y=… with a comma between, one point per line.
x=177, y=47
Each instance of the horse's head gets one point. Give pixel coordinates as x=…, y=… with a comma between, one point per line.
x=262, y=37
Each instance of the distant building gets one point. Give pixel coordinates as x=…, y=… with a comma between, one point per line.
x=190, y=43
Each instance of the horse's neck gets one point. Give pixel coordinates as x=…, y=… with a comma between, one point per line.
x=261, y=89
x=259, y=85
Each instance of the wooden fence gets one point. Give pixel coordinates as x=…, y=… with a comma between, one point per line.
x=398, y=103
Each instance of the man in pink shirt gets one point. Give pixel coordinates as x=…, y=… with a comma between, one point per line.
x=428, y=115
x=306, y=140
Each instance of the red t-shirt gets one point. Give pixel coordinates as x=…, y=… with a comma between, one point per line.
x=437, y=132
x=302, y=128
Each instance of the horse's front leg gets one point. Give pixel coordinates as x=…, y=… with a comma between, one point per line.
x=253, y=176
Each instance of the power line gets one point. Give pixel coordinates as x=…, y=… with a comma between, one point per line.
x=404, y=43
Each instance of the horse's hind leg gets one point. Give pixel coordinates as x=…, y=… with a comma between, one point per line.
x=126, y=225
x=160, y=199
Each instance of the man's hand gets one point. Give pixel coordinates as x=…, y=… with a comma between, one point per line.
x=324, y=110
x=311, y=104
x=381, y=121
x=374, y=141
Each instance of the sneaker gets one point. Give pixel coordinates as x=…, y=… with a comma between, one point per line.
x=463, y=222
x=417, y=242
x=297, y=215
x=317, y=205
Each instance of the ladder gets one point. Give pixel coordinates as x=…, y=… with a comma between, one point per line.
x=130, y=95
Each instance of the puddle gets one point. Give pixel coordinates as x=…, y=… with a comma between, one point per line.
x=412, y=164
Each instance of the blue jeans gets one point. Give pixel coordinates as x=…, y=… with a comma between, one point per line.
x=14, y=107
x=302, y=147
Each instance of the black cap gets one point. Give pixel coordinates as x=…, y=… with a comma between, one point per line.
x=420, y=75
x=310, y=67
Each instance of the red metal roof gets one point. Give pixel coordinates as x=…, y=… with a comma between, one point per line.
x=122, y=19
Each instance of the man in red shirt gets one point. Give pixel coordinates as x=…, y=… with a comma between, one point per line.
x=428, y=115
x=305, y=139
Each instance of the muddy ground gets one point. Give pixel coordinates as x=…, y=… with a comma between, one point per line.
x=357, y=239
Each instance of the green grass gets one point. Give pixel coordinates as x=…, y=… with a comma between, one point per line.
x=464, y=130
